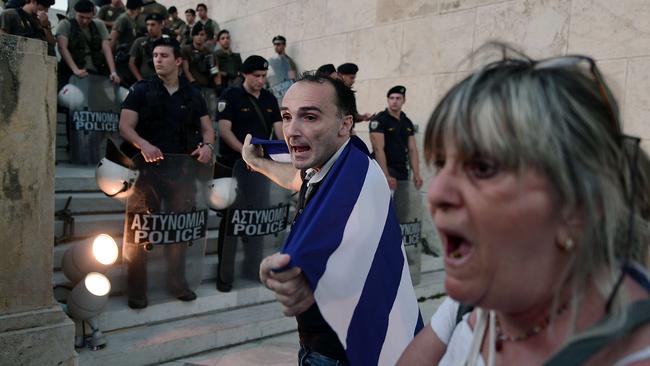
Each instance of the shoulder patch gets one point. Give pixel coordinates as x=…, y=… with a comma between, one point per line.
x=221, y=105
x=374, y=124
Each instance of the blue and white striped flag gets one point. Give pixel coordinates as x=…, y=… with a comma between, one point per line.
x=348, y=244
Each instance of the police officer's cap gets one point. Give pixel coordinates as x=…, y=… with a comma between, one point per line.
x=326, y=70
x=254, y=63
x=133, y=4
x=154, y=16
x=197, y=28
x=279, y=39
x=84, y=6
x=399, y=89
x=348, y=69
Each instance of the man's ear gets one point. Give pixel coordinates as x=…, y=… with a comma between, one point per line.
x=346, y=125
x=179, y=61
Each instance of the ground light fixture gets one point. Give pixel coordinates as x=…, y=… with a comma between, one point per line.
x=87, y=300
x=83, y=258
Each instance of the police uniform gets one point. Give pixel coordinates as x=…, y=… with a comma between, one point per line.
x=248, y=115
x=396, y=135
x=230, y=64
x=151, y=8
x=85, y=46
x=203, y=68
x=171, y=123
x=240, y=107
x=19, y=23
x=127, y=28
x=108, y=13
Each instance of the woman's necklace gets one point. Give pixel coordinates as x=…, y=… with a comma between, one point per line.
x=534, y=330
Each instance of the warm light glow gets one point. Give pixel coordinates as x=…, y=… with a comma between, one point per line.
x=97, y=284
x=105, y=249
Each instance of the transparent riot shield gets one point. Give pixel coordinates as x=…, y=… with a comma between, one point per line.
x=165, y=228
x=94, y=119
x=408, y=206
x=255, y=225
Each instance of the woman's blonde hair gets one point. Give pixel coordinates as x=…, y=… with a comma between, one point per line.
x=557, y=116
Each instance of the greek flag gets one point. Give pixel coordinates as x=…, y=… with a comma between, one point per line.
x=348, y=243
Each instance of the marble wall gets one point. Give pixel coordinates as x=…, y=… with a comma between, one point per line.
x=423, y=44
x=33, y=328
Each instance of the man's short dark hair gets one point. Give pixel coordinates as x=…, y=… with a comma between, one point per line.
x=172, y=9
x=84, y=6
x=191, y=11
x=202, y=5
x=346, y=102
x=222, y=32
x=45, y=3
x=169, y=42
x=133, y=4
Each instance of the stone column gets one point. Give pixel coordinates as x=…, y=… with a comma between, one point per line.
x=33, y=328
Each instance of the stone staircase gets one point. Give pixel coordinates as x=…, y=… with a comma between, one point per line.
x=170, y=330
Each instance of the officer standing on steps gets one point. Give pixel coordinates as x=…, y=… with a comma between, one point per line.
x=84, y=47
x=141, y=59
x=242, y=110
x=393, y=140
x=201, y=69
x=162, y=115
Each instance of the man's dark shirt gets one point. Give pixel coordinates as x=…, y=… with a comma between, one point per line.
x=240, y=111
x=20, y=23
x=314, y=332
x=171, y=138
x=396, y=136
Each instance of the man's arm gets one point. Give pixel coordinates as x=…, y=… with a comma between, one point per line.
x=108, y=55
x=115, y=35
x=290, y=286
x=62, y=42
x=415, y=162
x=204, y=151
x=186, y=71
x=226, y=134
x=283, y=174
x=128, y=122
x=378, y=143
x=134, y=69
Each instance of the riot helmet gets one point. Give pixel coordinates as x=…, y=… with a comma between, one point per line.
x=221, y=193
x=71, y=97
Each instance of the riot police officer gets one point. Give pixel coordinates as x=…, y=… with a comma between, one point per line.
x=161, y=115
x=200, y=68
x=229, y=62
x=244, y=109
x=393, y=140
x=84, y=47
x=123, y=34
x=141, y=59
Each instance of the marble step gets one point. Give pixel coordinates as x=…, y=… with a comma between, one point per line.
x=170, y=330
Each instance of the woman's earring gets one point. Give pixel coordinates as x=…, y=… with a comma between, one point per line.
x=567, y=245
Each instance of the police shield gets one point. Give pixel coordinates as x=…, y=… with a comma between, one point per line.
x=165, y=228
x=93, y=118
x=408, y=207
x=255, y=225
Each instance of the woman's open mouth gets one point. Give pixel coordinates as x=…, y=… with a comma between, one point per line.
x=457, y=248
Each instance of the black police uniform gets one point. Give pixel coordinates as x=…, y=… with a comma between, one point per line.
x=247, y=114
x=244, y=110
x=171, y=123
x=396, y=135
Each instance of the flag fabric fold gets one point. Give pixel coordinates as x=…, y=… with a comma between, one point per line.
x=348, y=244
x=276, y=149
